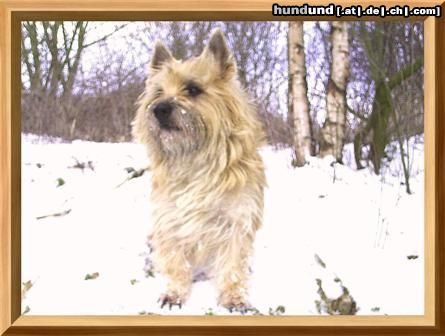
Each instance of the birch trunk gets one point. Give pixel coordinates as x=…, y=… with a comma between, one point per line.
x=333, y=131
x=298, y=103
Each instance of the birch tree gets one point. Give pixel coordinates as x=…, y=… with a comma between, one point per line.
x=333, y=130
x=299, y=117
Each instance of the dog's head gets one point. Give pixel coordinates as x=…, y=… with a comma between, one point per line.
x=188, y=105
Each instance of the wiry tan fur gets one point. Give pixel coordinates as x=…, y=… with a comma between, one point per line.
x=207, y=178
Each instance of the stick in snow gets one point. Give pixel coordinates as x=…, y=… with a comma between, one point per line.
x=57, y=214
x=133, y=174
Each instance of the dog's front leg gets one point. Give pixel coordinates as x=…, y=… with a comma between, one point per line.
x=179, y=275
x=232, y=273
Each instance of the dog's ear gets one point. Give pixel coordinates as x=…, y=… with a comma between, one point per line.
x=161, y=55
x=218, y=49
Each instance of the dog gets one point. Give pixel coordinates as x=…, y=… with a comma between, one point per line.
x=202, y=135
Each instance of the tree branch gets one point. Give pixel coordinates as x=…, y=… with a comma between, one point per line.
x=103, y=38
x=405, y=73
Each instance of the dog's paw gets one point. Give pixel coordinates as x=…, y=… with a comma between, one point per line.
x=238, y=306
x=170, y=300
x=242, y=308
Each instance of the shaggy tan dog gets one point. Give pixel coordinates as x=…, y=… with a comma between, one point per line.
x=202, y=136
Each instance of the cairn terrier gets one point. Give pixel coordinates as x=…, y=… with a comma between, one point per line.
x=202, y=136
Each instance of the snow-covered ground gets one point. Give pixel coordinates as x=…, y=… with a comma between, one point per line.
x=84, y=235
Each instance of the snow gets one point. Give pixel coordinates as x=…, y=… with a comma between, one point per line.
x=362, y=226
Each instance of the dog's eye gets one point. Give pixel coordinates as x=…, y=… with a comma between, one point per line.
x=193, y=90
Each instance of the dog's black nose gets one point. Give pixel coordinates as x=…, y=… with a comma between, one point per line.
x=163, y=111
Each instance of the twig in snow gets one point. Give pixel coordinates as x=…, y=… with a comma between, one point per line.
x=57, y=214
x=82, y=165
x=133, y=173
x=319, y=261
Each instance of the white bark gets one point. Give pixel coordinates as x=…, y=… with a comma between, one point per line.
x=333, y=131
x=299, y=103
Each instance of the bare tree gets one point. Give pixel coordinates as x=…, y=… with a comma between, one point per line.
x=299, y=117
x=382, y=123
x=51, y=55
x=333, y=131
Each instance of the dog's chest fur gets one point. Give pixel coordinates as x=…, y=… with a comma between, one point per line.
x=191, y=208
x=201, y=217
